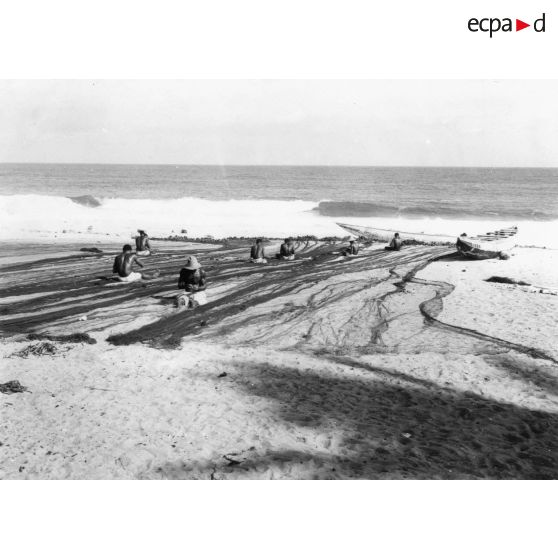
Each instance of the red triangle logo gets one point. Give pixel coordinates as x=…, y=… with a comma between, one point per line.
x=519, y=25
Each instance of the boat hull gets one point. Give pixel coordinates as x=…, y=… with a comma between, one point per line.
x=483, y=250
x=473, y=253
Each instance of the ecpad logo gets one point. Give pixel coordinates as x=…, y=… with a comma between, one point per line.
x=492, y=25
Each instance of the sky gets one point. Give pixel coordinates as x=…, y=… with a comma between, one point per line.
x=283, y=122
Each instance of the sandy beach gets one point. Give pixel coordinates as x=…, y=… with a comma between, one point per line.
x=387, y=365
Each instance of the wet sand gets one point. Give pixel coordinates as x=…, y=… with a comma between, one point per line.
x=387, y=365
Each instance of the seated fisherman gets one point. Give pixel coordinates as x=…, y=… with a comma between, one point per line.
x=192, y=280
x=395, y=243
x=123, y=266
x=287, y=250
x=143, y=248
x=352, y=249
x=257, y=253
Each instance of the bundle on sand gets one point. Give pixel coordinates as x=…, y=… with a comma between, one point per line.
x=414, y=242
x=38, y=349
x=72, y=338
x=507, y=280
x=237, y=239
x=13, y=386
x=526, y=286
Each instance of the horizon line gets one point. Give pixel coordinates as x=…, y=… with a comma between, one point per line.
x=284, y=165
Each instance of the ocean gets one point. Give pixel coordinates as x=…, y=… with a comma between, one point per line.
x=106, y=200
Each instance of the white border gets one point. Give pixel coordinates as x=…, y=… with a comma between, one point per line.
x=271, y=39
x=281, y=519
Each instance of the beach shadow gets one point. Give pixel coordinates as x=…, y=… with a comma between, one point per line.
x=411, y=430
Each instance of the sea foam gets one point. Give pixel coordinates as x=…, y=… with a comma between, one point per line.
x=34, y=216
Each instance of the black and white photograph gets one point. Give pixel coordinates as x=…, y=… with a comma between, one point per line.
x=278, y=279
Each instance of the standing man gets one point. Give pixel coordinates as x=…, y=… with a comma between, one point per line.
x=143, y=248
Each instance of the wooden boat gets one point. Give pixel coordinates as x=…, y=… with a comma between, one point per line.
x=385, y=235
x=480, y=247
x=489, y=245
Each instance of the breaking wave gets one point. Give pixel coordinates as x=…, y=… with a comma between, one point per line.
x=29, y=214
x=87, y=201
x=39, y=216
x=440, y=210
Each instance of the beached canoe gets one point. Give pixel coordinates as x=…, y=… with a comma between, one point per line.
x=480, y=247
x=385, y=235
x=489, y=245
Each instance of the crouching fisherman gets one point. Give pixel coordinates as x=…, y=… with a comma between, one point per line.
x=143, y=248
x=192, y=280
x=123, y=266
x=352, y=249
x=257, y=253
x=287, y=250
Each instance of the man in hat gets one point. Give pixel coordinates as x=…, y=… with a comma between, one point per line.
x=123, y=266
x=257, y=254
x=143, y=248
x=287, y=250
x=352, y=249
x=395, y=243
x=192, y=279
